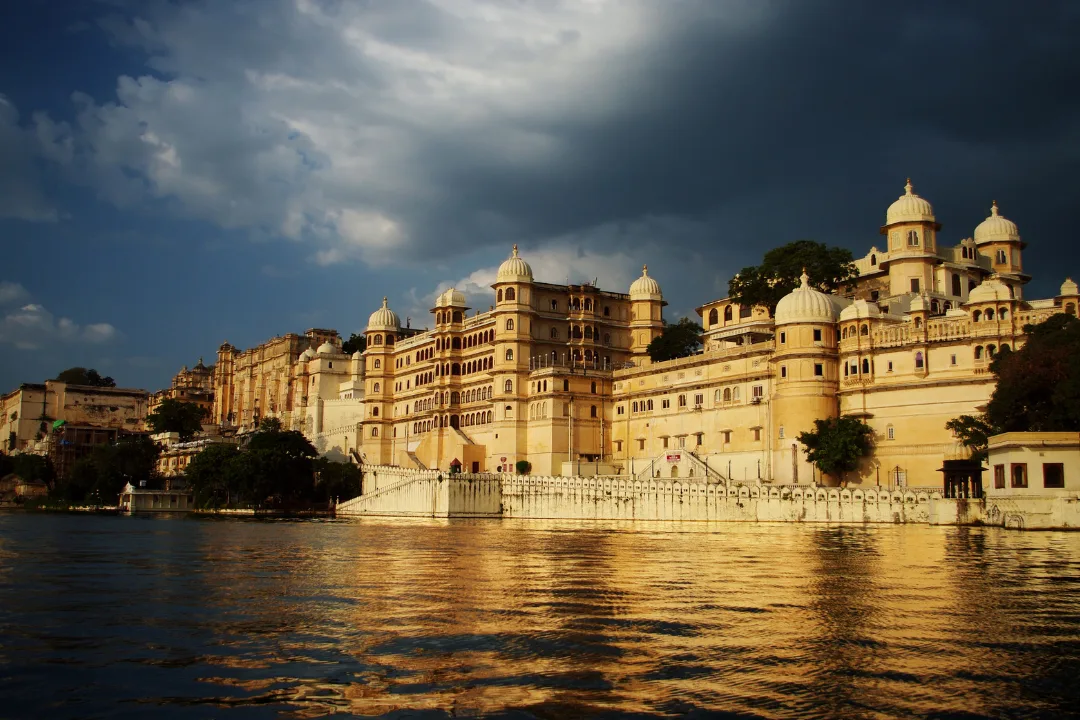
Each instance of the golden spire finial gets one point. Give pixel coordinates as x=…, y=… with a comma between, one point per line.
x=384, y=301
x=644, y=269
x=908, y=188
x=515, y=254
x=994, y=208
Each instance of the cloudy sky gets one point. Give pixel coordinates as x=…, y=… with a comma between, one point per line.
x=176, y=174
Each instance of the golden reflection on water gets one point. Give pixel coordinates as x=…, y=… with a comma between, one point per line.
x=549, y=619
x=777, y=620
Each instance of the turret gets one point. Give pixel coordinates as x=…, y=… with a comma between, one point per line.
x=998, y=239
x=911, y=229
x=646, y=314
x=382, y=330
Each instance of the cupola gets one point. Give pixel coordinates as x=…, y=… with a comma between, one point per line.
x=383, y=319
x=514, y=269
x=909, y=208
x=805, y=304
x=326, y=348
x=989, y=290
x=996, y=228
x=645, y=287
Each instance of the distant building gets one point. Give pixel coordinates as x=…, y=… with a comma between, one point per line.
x=193, y=386
x=1034, y=480
x=175, y=455
x=152, y=496
x=28, y=413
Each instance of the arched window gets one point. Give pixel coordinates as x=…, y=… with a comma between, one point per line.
x=1005, y=347
x=375, y=387
x=510, y=295
x=873, y=259
x=554, y=333
x=918, y=322
x=978, y=352
x=455, y=343
x=374, y=432
x=607, y=338
x=509, y=323
x=374, y=412
x=592, y=411
x=714, y=317
x=457, y=316
x=727, y=314
x=989, y=313
x=1070, y=308
x=735, y=394
x=498, y=296
x=956, y=285
x=509, y=354
x=934, y=307
x=378, y=363
x=866, y=366
x=588, y=333
x=508, y=386
x=990, y=350
x=633, y=407
x=913, y=238
x=588, y=304
x=377, y=340
x=1002, y=314
x=976, y=316
x=455, y=369
x=919, y=363
x=864, y=329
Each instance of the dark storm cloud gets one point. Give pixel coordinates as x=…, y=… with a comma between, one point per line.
x=834, y=102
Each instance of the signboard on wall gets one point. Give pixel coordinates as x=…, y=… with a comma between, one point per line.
x=673, y=457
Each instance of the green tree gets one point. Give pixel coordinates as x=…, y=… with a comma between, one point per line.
x=836, y=445
x=335, y=480
x=270, y=425
x=220, y=477
x=177, y=416
x=1038, y=387
x=355, y=343
x=675, y=341
x=829, y=269
x=974, y=432
x=82, y=376
x=100, y=477
x=523, y=467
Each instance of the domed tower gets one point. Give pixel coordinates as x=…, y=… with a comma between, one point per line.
x=646, y=314
x=1068, y=297
x=224, y=376
x=806, y=375
x=998, y=239
x=911, y=229
x=382, y=330
x=513, y=340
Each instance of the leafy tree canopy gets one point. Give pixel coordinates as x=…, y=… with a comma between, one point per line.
x=82, y=376
x=778, y=274
x=355, y=343
x=836, y=445
x=100, y=477
x=1038, y=387
x=679, y=340
x=177, y=416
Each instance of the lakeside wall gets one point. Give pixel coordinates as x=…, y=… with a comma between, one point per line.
x=404, y=492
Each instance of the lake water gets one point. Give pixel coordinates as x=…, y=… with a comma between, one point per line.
x=112, y=617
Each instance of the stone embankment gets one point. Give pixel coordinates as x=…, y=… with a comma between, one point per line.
x=435, y=494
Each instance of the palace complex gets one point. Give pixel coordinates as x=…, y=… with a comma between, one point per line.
x=558, y=375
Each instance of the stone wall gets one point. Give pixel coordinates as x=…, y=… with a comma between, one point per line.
x=425, y=493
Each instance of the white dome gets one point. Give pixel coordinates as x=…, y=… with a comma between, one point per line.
x=859, y=309
x=990, y=290
x=1069, y=287
x=357, y=355
x=909, y=208
x=805, y=304
x=958, y=451
x=996, y=228
x=514, y=269
x=307, y=354
x=645, y=287
x=327, y=348
x=383, y=319
x=452, y=297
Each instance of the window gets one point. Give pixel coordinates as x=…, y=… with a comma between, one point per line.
x=864, y=329
x=554, y=333
x=682, y=401
x=566, y=385
x=618, y=446
x=374, y=412
x=999, y=477
x=498, y=296
x=919, y=363
x=757, y=434
x=641, y=444
x=913, y=238
x=509, y=296
x=593, y=388
x=665, y=404
x=759, y=392
x=378, y=363
x=866, y=366
x=744, y=311
x=783, y=338
x=374, y=388
x=783, y=371
x=1019, y=475
x=1000, y=258
x=956, y=285
x=607, y=311
x=714, y=317
x=914, y=285
x=509, y=354
x=952, y=359
x=374, y=432
x=726, y=436
x=682, y=441
x=592, y=411
x=781, y=433
x=817, y=334
x=819, y=369
x=890, y=432
x=874, y=295
x=873, y=259
x=727, y=314
x=989, y=313
x=664, y=441
x=1053, y=475
x=554, y=304
x=620, y=410
x=508, y=386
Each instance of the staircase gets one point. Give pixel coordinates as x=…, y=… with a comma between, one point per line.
x=415, y=460
x=700, y=468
